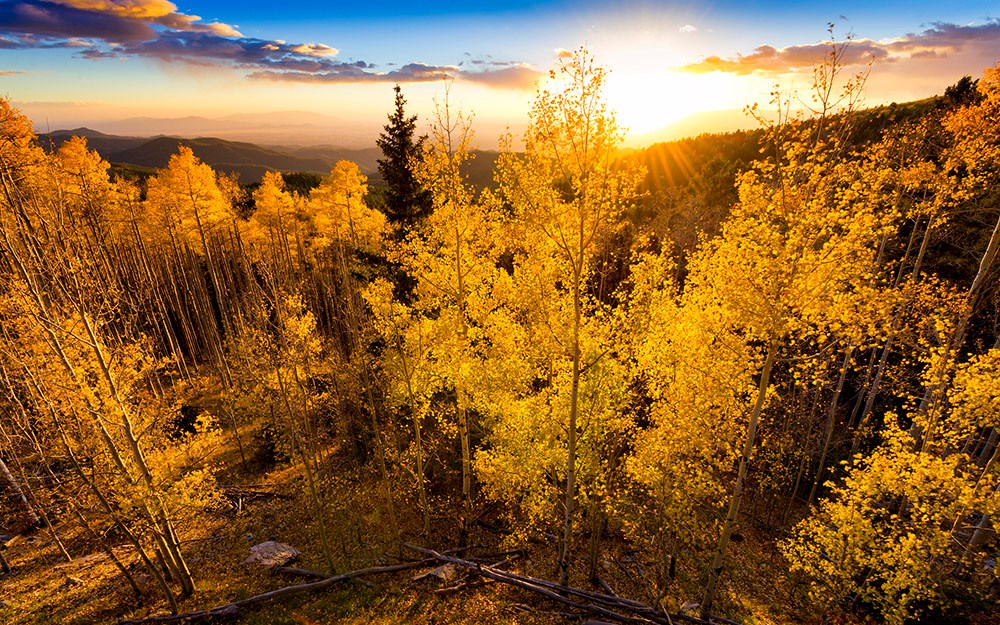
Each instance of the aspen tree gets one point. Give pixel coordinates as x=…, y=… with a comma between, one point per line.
x=54, y=303
x=567, y=194
x=890, y=534
x=185, y=211
x=451, y=255
x=273, y=232
x=789, y=267
x=410, y=381
x=695, y=372
x=974, y=156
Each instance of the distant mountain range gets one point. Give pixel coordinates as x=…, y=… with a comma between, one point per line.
x=298, y=128
x=249, y=160
x=670, y=162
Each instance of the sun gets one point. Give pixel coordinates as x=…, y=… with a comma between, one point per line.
x=643, y=103
x=650, y=100
x=647, y=99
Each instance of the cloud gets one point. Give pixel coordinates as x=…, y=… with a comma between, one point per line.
x=940, y=40
x=135, y=9
x=488, y=61
x=519, y=77
x=103, y=20
x=155, y=29
x=28, y=21
x=159, y=12
x=317, y=50
x=563, y=53
x=192, y=23
x=780, y=60
x=687, y=28
x=11, y=72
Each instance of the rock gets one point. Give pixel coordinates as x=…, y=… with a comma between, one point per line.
x=71, y=582
x=272, y=553
x=446, y=573
x=689, y=606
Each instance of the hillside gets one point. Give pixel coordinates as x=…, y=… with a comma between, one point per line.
x=249, y=160
x=601, y=394
x=707, y=163
x=105, y=144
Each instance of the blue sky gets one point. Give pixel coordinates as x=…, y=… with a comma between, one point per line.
x=81, y=61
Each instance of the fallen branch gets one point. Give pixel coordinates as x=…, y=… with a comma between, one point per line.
x=502, y=554
x=607, y=587
x=495, y=529
x=527, y=609
x=477, y=583
x=232, y=609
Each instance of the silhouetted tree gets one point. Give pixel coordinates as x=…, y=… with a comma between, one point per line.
x=405, y=200
x=962, y=93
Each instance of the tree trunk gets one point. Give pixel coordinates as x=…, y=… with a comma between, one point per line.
x=831, y=417
x=574, y=401
x=715, y=572
x=18, y=494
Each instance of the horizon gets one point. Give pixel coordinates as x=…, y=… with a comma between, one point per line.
x=676, y=69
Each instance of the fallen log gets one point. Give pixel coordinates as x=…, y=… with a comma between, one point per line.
x=598, y=603
x=231, y=609
x=291, y=570
x=512, y=580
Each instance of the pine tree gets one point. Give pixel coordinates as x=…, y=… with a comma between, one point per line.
x=405, y=201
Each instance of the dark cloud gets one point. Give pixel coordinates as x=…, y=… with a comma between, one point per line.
x=56, y=20
x=154, y=29
x=940, y=40
x=944, y=38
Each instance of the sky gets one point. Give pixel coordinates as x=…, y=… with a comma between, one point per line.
x=676, y=66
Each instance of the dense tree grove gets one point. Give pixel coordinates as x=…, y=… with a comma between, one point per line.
x=542, y=361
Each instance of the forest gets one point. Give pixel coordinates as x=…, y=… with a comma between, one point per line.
x=761, y=385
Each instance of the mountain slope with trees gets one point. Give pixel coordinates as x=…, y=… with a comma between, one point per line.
x=758, y=384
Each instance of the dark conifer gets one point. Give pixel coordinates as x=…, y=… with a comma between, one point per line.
x=405, y=200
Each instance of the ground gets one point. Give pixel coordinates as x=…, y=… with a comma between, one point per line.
x=40, y=590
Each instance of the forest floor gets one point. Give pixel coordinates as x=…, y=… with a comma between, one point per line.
x=45, y=588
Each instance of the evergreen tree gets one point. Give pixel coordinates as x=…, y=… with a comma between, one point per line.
x=405, y=201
